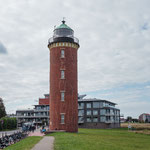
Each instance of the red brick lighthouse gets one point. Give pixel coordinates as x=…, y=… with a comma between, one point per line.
x=63, y=48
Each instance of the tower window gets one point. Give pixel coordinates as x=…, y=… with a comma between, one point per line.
x=62, y=53
x=62, y=118
x=62, y=96
x=62, y=74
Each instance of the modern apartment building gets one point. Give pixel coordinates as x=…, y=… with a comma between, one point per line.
x=92, y=113
x=39, y=115
x=97, y=113
x=144, y=118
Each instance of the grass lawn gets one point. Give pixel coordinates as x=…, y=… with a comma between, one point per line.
x=25, y=144
x=100, y=139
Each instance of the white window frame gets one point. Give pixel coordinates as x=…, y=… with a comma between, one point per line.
x=62, y=118
x=62, y=72
x=62, y=95
x=62, y=53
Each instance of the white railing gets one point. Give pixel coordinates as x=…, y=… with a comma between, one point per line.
x=109, y=114
x=80, y=121
x=80, y=107
x=53, y=38
x=109, y=121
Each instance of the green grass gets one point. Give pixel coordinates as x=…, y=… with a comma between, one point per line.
x=100, y=139
x=25, y=144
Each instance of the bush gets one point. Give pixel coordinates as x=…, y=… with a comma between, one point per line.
x=2, y=109
x=8, y=123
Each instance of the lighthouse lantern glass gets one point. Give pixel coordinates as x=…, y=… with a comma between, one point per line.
x=62, y=32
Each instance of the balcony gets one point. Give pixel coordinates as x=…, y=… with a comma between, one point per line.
x=79, y=114
x=39, y=116
x=80, y=107
x=109, y=114
x=109, y=121
x=41, y=110
x=80, y=121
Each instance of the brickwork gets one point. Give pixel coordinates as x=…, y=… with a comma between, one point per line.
x=44, y=101
x=68, y=107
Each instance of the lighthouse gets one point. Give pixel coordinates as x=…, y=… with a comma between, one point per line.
x=63, y=48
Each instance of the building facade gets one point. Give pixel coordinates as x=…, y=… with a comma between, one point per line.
x=92, y=113
x=63, y=48
x=144, y=118
x=39, y=115
x=97, y=113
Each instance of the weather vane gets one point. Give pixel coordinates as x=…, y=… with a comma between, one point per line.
x=63, y=20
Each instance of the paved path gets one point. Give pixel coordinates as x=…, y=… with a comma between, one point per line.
x=45, y=144
x=36, y=133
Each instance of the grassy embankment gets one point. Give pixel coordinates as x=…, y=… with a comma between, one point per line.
x=138, y=127
x=100, y=139
x=25, y=144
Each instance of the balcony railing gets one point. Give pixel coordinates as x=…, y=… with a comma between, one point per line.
x=80, y=107
x=109, y=114
x=52, y=39
x=40, y=110
x=81, y=114
x=80, y=121
x=39, y=116
x=109, y=121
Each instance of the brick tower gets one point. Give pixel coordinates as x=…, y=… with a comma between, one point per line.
x=63, y=48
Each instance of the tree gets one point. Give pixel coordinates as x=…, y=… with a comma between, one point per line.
x=8, y=123
x=2, y=109
x=146, y=120
x=129, y=119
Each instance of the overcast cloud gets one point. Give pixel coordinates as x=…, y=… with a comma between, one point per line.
x=113, y=58
x=2, y=49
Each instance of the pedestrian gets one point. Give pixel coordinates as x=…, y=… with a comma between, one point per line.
x=33, y=128
x=129, y=127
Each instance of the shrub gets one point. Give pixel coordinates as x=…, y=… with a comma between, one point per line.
x=8, y=123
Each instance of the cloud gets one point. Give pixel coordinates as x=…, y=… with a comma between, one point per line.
x=3, y=50
x=114, y=48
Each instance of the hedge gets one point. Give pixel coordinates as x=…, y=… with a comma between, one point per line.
x=8, y=123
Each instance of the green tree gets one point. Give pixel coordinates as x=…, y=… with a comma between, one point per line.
x=146, y=120
x=2, y=109
x=8, y=123
x=129, y=119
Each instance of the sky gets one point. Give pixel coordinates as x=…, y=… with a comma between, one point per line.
x=113, y=58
